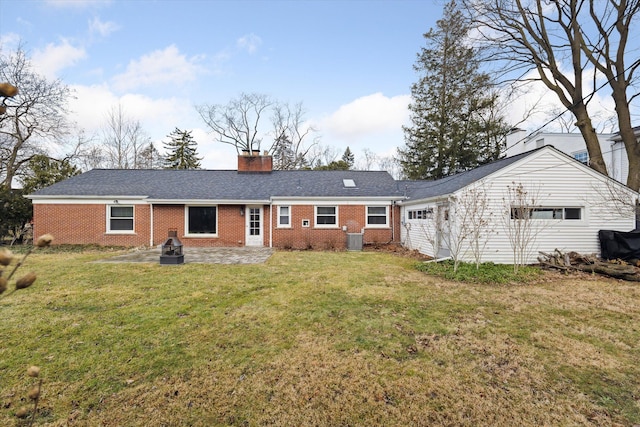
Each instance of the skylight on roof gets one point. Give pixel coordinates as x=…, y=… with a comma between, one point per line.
x=349, y=183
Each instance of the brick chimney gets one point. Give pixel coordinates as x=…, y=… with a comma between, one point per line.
x=254, y=162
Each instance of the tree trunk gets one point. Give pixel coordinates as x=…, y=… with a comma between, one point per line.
x=596, y=161
x=627, y=135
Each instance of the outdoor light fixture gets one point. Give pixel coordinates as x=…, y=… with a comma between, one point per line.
x=242, y=210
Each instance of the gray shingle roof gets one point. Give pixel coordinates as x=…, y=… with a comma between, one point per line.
x=222, y=184
x=419, y=190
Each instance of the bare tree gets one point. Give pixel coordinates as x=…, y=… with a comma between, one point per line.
x=320, y=155
x=290, y=148
x=150, y=158
x=608, y=52
x=519, y=223
x=612, y=196
x=531, y=36
x=432, y=227
x=391, y=165
x=238, y=122
x=34, y=118
x=83, y=152
x=474, y=221
x=561, y=40
x=124, y=139
x=370, y=160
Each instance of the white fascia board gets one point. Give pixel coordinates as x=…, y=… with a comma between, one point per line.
x=193, y=202
x=334, y=200
x=436, y=199
x=87, y=200
x=547, y=149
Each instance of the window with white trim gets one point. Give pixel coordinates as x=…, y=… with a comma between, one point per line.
x=284, y=216
x=582, y=157
x=377, y=216
x=119, y=219
x=201, y=220
x=569, y=214
x=326, y=216
x=420, y=213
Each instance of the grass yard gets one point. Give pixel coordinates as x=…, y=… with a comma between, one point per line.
x=316, y=338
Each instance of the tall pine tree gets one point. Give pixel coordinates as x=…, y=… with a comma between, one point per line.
x=456, y=126
x=349, y=158
x=181, y=150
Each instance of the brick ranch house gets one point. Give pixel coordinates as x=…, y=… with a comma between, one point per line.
x=257, y=206
x=251, y=206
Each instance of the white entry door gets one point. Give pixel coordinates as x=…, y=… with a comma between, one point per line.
x=253, y=225
x=443, y=230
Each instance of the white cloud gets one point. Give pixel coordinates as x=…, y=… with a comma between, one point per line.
x=215, y=155
x=104, y=29
x=56, y=57
x=158, y=118
x=90, y=105
x=249, y=42
x=373, y=123
x=539, y=105
x=166, y=66
x=77, y=4
x=10, y=41
x=367, y=116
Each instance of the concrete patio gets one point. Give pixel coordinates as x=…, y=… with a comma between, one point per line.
x=240, y=255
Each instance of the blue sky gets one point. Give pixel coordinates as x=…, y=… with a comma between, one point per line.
x=349, y=62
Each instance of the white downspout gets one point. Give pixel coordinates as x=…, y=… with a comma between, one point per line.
x=151, y=221
x=271, y=224
x=393, y=223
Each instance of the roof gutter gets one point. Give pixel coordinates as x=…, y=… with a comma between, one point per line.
x=93, y=197
x=207, y=202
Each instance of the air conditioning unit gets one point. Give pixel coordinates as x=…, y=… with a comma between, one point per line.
x=354, y=241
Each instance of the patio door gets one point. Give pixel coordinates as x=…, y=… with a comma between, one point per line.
x=253, y=225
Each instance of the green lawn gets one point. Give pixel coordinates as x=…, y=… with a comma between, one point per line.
x=316, y=338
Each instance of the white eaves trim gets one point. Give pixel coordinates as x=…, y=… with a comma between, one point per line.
x=87, y=200
x=333, y=200
x=209, y=202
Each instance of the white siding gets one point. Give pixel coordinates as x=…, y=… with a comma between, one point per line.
x=619, y=167
x=559, y=182
x=614, y=154
x=419, y=234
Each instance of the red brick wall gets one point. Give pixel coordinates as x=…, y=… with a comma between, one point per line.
x=230, y=226
x=351, y=216
x=86, y=224
x=255, y=163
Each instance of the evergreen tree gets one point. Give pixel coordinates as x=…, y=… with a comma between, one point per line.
x=181, y=151
x=15, y=211
x=349, y=158
x=456, y=126
x=336, y=165
x=44, y=171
